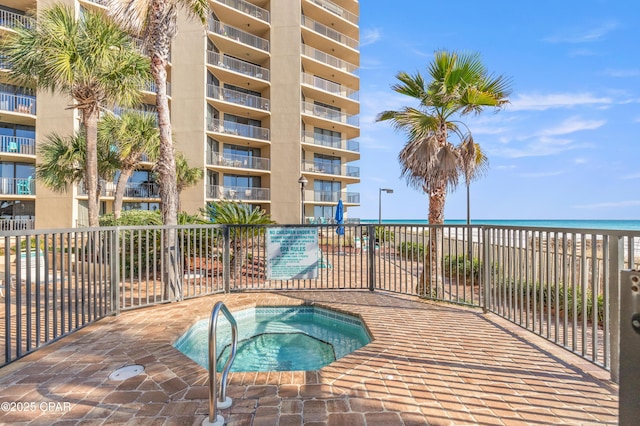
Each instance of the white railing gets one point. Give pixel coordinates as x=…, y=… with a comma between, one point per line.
x=238, y=98
x=329, y=32
x=327, y=59
x=329, y=114
x=329, y=86
x=238, y=35
x=236, y=65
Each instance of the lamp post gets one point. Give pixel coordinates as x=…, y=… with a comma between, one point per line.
x=388, y=191
x=303, y=183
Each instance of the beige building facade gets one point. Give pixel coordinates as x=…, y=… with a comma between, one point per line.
x=264, y=99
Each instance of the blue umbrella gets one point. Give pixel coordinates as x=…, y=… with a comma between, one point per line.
x=340, y=218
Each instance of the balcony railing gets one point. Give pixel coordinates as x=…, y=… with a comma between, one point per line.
x=336, y=10
x=132, y=189
x=17, y=103
x=331, y=142
x=327, y=59
x=329, y=86
x=17, y=224
x=240, y=193
x=239, y=35
x=17, y=186
x=248, y=8
x=12, y=20
x=329, y=114
x=151, y=87
x=18, y=145
x=239, y=98
x=329, y=32
x=236, y=65
x=237, y=129
x=238, y=161
x=335, y=196
x=331, y=169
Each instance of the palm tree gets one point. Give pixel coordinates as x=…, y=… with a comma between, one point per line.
x=185, y=176
x=131, y=136
x=62, y=161
x=235, y=213
x=460, y=84
x=89, y=59
x=155, y=23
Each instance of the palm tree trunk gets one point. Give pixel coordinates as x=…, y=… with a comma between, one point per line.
x=166, y=169
x=121, y=187
x=90, y=121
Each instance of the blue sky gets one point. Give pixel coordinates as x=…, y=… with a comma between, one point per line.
x=567, y=147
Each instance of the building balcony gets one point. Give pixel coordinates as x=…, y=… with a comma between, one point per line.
x=246, y=12
x=238, y=193
x=17, y=186
x=332, y=197
x=235, y=71
x=328, y=168
x=223, y=33
x=151, y=87
x=242, y=100
x=330, y=93
x=230, y=128
x=18, y=145
x=325, y=144
x=329, y=60
x=18, y=103
x=238, y=161
x=17, y=224
x=132, y=189
x=323, y=117
x=12, y=20
x=320, y=63
x=333, y=15
x=318, y=34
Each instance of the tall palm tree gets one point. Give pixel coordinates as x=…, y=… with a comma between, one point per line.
x=131, y=136
x=90, y=59
x=154, y=22
x=185, y=176
x=459, y=85
x=235, y=213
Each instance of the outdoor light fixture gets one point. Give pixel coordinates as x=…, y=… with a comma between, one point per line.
x=388, y=191
x=303, y=183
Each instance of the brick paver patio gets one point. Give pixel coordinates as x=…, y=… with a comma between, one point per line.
x=428, y=364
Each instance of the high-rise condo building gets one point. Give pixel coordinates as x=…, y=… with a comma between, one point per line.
x=263, y=97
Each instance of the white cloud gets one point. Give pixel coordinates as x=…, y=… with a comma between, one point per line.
x=581, y=52
x=632, y=176
x=540, y=174
x=580, y=160
x=575, y=35
x=369, y=36
x=615, y=204
x=622, y=72
x=571, y=125
x=541, y=102
x=542, y=146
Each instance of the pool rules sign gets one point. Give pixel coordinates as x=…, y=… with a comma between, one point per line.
x=292, y=253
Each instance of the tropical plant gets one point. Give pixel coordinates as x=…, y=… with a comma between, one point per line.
x=154, y=22
x=89, y=59
x=459, y=85
x=185, y=176
x=130, y=136
x=62, y=161
x=238, y=214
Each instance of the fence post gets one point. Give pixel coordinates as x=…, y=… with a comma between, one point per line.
x=616, y=264
x=629, y=398
x=226, y=258
x=371, y=231
x=486, y=270
x=115, y=271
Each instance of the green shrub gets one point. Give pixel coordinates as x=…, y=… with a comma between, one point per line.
x=133, y=218
x=412, y=251
x=462, y=267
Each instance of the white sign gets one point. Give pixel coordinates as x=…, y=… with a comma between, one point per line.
x=292, y=253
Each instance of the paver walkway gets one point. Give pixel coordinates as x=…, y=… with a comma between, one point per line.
x=429, y=364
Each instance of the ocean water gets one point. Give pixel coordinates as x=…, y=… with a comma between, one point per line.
x=624, y=225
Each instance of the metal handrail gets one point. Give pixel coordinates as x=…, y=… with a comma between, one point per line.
x=224, y=401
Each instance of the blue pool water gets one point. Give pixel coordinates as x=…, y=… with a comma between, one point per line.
x=278, y=339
